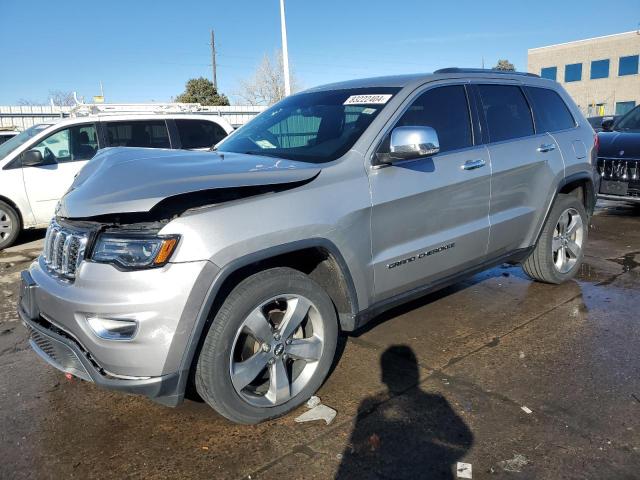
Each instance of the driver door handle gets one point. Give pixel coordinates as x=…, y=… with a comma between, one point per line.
x=473, y=164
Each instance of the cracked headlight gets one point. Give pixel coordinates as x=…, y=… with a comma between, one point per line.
x=134, y=251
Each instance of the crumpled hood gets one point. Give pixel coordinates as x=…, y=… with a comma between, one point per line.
x=613, y=143
x=133, y=180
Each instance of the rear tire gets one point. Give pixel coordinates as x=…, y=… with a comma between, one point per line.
x=559, y=251
x=10, y=225
x=269, y=348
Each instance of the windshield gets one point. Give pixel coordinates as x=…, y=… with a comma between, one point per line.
x=10, y=145
x=631, y=121
x=311, y=127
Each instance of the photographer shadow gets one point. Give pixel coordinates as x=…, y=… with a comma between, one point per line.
x=405, y=433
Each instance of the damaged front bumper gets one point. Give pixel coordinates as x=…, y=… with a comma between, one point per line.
x=60, y=350
x=164, y=301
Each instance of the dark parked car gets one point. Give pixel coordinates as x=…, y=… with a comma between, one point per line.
x=596, y=122
x=619, y=158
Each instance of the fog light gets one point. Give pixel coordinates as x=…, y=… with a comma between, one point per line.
x=113, y=328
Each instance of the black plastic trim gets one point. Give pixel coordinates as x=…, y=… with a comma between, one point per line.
x=589, y=178
x=212, y=295
x=485, y=70
x=365, y=316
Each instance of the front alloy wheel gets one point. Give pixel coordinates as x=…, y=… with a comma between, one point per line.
x=270, y=346
x=276, y=350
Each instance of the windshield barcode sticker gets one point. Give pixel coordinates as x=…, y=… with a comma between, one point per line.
x=367, y=99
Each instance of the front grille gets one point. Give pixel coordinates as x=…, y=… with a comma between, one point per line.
x=619, y=169
x=625, y=170
x=58, y=354
x=64, y=250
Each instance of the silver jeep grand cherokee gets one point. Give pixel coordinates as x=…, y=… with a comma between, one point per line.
x=235, y=270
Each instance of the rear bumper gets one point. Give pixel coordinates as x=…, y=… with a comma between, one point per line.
x=59, y=349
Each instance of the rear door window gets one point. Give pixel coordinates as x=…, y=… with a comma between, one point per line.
x=549, y=110
x=138, y=133
x=506, y=112
x=199, y=133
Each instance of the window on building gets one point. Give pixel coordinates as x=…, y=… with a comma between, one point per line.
x=599, y=69
x=597, y=110
x=573, y=72
x=506, y=111
x=624, y=107
x=549, y=110
x=628, y=65
x=549, y=72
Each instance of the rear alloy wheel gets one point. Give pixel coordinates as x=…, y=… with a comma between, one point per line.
x=9, y=225
x=567, y=241
x=559, y=252
x=269, y=348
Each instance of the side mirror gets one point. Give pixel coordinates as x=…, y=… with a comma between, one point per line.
x=409, y=143
x=607, y=124
x=32, y=158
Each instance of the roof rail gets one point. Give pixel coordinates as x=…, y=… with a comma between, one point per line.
x=84, y=109
x=483, y=70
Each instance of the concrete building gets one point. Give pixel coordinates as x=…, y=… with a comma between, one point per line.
x=601, y=74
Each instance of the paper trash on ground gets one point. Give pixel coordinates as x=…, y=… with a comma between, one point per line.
x=463, y=470
x=317, y=411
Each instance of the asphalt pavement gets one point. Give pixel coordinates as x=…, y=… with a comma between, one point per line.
x=515, y=378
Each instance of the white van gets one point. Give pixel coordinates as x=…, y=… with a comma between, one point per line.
x=38, y=165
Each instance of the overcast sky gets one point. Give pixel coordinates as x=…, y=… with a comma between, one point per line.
x=145, y=50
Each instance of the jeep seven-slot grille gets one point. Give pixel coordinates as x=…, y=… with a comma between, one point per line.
x=64, y=250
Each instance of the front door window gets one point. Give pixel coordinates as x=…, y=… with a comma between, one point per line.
x=69, y=145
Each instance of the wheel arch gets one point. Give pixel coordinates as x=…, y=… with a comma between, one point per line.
x=13, y=205
x=318, y=257
x=583, y=185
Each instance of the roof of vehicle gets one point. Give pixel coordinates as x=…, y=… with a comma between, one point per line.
x=416, y=79
x=116, y=117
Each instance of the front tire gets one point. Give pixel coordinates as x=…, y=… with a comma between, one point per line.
x=9, y=225
x=559, y=251
x=269, y=348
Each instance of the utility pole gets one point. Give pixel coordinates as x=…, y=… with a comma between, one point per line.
x=285, y=51
x=213, y=61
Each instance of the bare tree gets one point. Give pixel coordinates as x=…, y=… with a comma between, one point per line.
x=62, y=98
x=26, y=102
x=266, y=86
x=59, y=97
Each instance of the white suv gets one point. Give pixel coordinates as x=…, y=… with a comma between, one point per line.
x=38, y=165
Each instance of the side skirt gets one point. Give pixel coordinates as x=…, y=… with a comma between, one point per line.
x=365, y=316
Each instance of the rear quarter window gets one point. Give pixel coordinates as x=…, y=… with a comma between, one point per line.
x=506, y=112
x=550, y=112
x=199, y=133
